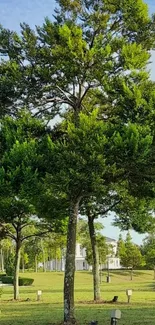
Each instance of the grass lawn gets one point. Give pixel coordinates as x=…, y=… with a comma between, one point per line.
x=49, y=310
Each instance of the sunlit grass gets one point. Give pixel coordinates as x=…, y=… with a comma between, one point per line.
x=49, y=310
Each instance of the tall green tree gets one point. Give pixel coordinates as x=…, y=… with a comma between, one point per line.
x=78, y=60
x=79, y=165
x=79, y=170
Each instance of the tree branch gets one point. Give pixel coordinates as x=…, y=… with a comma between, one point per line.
x=111, y=207
x=36, y=235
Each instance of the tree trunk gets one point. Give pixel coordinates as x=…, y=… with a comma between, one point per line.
x=44, y=264
x=108, y=269
x=44, y=260
x=61, y=260
x=23, y=265
x=2, y=260
x=154, y=273
x=16, y=272
x=36, y=264
x=70, y=264
x=56, y=263
x=131, y=274
x=96, y=275
x=100, y=273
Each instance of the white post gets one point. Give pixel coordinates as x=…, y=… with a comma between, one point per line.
x=129, y=294
x=39, y=294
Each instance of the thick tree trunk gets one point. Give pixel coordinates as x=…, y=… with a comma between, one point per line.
x=96, y=275
x=70, y=264
x=16, y=273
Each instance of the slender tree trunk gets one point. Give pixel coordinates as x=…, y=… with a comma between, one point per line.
x=131, y=274
x=44, y=261
x=16, y=273
x=36, y=264
x=154, y=273
x=108, y=267
x=2, y=260
x=23, y=265
x=100, y=273
x=61, y=259
x=56, y=260
x=96, y=275
x=70, y=264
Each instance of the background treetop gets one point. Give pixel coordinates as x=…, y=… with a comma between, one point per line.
x=90, y=45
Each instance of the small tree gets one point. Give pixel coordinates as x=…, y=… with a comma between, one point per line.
x=130, y=254
x=148, y=251
x=99, y=250
x=5, y=248
x=121, y=249
x=18, y=180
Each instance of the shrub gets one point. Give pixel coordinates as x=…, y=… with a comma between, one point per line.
x=25, y=281
x=22, y=281
x=6, y=279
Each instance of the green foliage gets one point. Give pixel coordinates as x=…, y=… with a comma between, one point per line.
x=103, y=250
x=33, y=249
x=7, y=279
x=10, y=265
x=129, y=253
x=148, y=250
x=25, y=281
x=94, y=55
x=19, y=182
x=84, y=238
x=22, y=281
x=92, y=44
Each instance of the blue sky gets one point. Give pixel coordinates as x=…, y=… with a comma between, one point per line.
x=33, y=12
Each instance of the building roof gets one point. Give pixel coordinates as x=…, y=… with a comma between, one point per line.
x=108, y=239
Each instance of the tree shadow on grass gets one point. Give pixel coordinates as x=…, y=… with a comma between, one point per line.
x=25, y=314
x=47, y=314
x=125, y=272
x=51, y=291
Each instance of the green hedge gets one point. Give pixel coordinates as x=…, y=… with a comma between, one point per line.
x=22, y=281
x=25, y=281
x=7, y=279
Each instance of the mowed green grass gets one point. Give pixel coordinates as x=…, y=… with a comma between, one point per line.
x=49, y=310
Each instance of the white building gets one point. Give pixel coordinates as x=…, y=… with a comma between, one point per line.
x=81, y=264
x=112, y=262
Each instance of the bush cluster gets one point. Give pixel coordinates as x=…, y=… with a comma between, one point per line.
x=22, y=281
